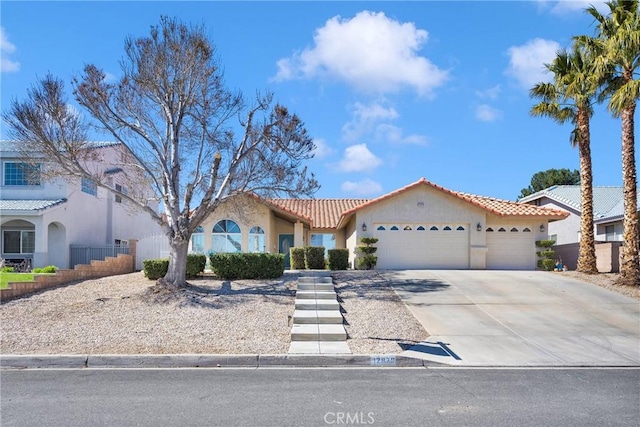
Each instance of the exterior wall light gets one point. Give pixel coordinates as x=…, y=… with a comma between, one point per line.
x=542, y=228
x=364, y=227
x=479, y=227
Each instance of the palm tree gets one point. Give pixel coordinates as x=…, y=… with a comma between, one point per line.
x=616, y=53
x=569, y=99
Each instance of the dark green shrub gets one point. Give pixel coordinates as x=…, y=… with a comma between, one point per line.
x=338, y=259
x=247, y=265
x=545, y=243
x=155, y=269
x=548, y=264
x=196, y=264
x=48, y=269
x=297, y=258
x=7, y=269
x=548, y=254
x=314, y=257
x=368, y=261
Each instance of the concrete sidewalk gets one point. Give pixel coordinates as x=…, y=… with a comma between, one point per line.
x=519, y=318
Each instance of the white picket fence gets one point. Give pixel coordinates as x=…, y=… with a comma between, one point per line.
x=151, y=247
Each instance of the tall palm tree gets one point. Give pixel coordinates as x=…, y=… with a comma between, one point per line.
x=569, y=98
x=616, y=53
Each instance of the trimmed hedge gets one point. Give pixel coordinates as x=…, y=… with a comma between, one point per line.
x=155, y=269
x=196, y=264
x=47, y=269
x=247, y=265
x=314, y=257
x=297, y=256
x=338, y=259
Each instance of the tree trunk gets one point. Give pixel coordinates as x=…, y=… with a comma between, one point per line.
x=630, y=268
x=177, y=272
x=587, y=256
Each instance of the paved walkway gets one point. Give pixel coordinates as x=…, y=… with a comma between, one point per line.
x=317, y=321
x=519, y=318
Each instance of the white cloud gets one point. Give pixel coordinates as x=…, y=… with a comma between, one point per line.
x=362, y=188
x=394, y=134
x=365, y=118
x=370, y=51
x=491, y=93
x=526, y=62
x=358, y=158
x=486, y=113
x=322, y=149
x=7, y=48
x=565, y=7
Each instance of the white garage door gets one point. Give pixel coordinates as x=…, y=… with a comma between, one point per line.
x=422, y=246
x=510, y=248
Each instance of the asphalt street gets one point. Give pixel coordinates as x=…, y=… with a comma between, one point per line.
x=321, y=397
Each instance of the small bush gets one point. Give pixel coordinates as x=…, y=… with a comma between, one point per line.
x=338, y=259
x=545, y=243
x=48, y=269
x=7, y=270
x=368, y=261
x=155, y=269
x=314, y=257
x=548, y=264
x=548, y=254
x=297, y=258
x=247, y=265
x=196, y=264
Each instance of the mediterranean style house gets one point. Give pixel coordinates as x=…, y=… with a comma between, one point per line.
x=420, y=226
x=40, y=219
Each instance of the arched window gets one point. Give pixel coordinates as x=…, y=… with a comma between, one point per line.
x=501, y=230
x=460, y=228
x=407, y=228
x=489, y=230
x=420, y=228
x=226, y=237
x=394, y=228
x=256, y=240
x=434, y=228
x=381, y=228
x=526, y=230
x=514, y=230
x=197, y=240
x=447, y=228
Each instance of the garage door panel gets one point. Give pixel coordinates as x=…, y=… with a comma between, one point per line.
x=423, y=248
x=510, y=250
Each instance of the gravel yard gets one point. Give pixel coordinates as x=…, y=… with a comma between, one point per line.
x=118, y=315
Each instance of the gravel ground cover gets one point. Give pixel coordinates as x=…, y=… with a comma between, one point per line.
x=122, y=315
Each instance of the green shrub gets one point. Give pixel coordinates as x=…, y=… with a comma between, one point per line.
x=314, y=257
x=247, y=265
x=47, y=269
x=548, y=264
x=338, y=259
x=196, y=264
x=7, y=269
x=545, y=243
x=155, y=269
x=368, y=261
x=548, y=254
x=297, y=258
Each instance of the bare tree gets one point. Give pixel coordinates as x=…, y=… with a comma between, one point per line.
x=173, y=113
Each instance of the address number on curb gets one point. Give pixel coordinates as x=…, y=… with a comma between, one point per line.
x=383, y=360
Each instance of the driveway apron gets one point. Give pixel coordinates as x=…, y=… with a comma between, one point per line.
x=519, y=318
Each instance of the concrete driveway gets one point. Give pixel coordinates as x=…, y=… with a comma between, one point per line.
x=519, y=318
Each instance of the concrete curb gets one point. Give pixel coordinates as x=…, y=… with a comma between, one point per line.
x=138, y=361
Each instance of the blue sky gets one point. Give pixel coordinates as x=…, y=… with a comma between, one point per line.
x=390, y=91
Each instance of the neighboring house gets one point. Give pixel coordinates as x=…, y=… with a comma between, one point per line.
x=607, y=212
x=420, y=226
x=39, y=219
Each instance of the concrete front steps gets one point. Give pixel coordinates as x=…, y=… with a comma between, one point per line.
x=317, y=321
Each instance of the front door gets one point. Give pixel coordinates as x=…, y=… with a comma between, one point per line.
x=285, y=242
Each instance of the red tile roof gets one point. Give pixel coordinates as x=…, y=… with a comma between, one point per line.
x=324, y=213
x=331, y=213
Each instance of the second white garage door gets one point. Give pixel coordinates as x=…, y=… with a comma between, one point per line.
x=510, y=248
x=422, y=246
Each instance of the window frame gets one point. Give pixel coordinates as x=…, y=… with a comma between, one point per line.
x=25, y=182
